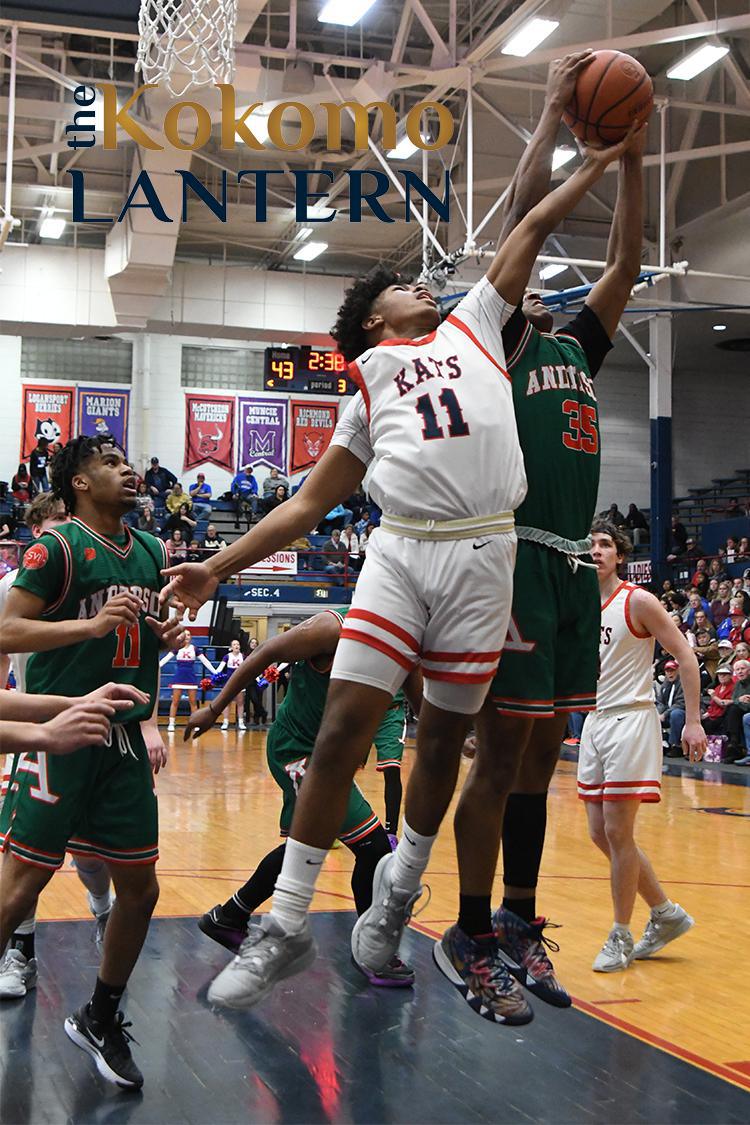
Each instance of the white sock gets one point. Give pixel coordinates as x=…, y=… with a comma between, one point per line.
x=100, y=904
x=621, y=928
x=295, y=885
x=664, y=909
x=410, y=858
x=27, y=927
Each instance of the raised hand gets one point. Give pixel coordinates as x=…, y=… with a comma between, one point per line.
x=171, y=633
x=562, y=76
x=191, y=584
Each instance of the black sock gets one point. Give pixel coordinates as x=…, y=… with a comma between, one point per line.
x=105, y=1001
x=475, y=914
x=256, y=890
x=24, y=943
x=367, y=855
x=393, y=792
x=524, y=907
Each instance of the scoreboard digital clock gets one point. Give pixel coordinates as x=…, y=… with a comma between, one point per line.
x=307, y=370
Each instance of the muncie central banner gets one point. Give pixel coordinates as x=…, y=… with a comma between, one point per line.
x=47, y=413
x=209, y=431
x=313, y=424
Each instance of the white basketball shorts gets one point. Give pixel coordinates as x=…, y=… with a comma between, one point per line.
x=443, y=604
x=620, y=756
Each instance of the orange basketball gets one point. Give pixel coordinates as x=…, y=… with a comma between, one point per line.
x=610, y=94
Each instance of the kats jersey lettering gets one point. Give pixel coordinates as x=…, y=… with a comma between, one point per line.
x=558, y=426
x=625, y=656
x=81, y=573
x=440, y=412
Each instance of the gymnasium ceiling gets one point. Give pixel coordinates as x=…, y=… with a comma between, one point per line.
x=425, y=50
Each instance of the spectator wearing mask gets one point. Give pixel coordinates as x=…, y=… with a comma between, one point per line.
x=182, y=521
x=736, y=712
x=707, y=650
x=245, y=495
x=670, y=703
x=177, y=547
x=638, y=525
x=275, y=499
x=273, y=481
x=20, y=485
x=720, y=606
x=213, y=542
x=38, y=465
x=714, y=719
x=159, y=480
x=200, y=495
x=333, y=557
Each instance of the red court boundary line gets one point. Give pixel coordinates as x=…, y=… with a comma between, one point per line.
x=734, y=1077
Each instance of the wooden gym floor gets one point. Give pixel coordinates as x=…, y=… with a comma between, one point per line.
x=664, y=1041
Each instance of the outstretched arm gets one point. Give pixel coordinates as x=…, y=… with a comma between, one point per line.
x=610, y=294
x=531, y=179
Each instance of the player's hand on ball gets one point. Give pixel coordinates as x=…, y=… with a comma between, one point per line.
x=561, y=79
x=634, y=137
x=191, y=584
x=693, y=742
x=199, y=722
x=120, y=697
x=86, y=723
x=171, y=633
x=123, y=608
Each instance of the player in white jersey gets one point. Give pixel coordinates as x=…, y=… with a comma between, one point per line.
x=18, y=971
x=435, y=410
x=620, y=758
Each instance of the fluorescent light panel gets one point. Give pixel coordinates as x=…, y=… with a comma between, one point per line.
x=50, y=227
x=561, y=156
x=345, y=12
x=303, y=233
x=696, y=62
x=310, y=251
x=552, y=269
x=529, y=36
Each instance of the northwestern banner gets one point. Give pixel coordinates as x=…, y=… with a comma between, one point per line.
x=263, y=432
x=102, y=410
x=209, y=431
x=313, y=424
x=47, y=413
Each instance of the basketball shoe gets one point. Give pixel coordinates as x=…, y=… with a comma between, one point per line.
x=475, y=967
x=615, y=954
x=108, y=1045
x=522, y=948
x=377, y=932
x=215, y=925
x=17, y=975
x=267, y=955
x=661, y=930
x=396, y=974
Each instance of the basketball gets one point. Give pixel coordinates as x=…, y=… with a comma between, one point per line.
x=610, y=94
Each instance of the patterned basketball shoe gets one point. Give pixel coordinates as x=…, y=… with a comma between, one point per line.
x=476, y=969
x=660, y=931
x=522, y=947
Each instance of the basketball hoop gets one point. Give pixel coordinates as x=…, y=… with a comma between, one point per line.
x=186, y=43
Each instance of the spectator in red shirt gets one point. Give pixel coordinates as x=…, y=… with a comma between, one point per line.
x=699, y=581
x=714, y=719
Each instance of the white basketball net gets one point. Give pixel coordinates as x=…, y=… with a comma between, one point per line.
x=186, y=43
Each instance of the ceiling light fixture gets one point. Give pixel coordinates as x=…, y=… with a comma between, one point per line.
x=529, y=36
x=50, y=227
x=561, y=156
x=303, y=233
x=345, y=12
x=551, y=270
x=403, y=150
x=696, y=62
x=310, y=251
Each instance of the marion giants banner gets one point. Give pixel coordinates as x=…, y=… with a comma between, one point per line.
x=47, y=413
x=209, y=431
x=104, y=411
x=313, y=424
x=263, y=433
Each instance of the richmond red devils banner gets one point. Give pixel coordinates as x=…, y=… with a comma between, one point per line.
x=209, y=431
x=313, y=424
x=47, y=413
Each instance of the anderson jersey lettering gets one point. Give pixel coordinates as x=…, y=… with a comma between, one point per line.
x=625, y=656
x=558, y=426
x=438, y=411
x=76, y=571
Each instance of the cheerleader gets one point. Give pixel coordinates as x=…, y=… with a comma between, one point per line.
x=185, y=680
x=232, y=661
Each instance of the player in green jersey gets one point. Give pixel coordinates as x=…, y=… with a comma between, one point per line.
x=549, y=664
x=85, y=604
x=310, y=648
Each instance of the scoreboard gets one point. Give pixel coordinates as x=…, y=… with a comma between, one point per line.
x=306, y=370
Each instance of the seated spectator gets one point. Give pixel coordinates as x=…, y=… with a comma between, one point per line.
x=707, y=649
x=720, y=606
x=702, y=624
x=714, y=718
x=743, y=549
x=693, y=550
x=7, y=527
x=212, y=542
x=637, y=523
x=20, y=485
x=679, y=539
x=741, y=651
x=670, y=703
x=177, y=547
x=183, y=522
x=147, y=521
x=694, y=603
x=736, y=626
x=275, y=499
x=364, y=540
x=333, y=557
x=739, y=591
x=614, y=515
x=726, y=651
x=716, y=570
x=200, y=494
x=273, y=481
x=351, y=545
x=245, y=495
x=699, y=580
x=143, y=498
x=176, y=498
x=736, y=712
x=159, y=480
x=731, y=549
x=733, y=508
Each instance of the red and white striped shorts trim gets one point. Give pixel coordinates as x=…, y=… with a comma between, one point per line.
x=383, y=635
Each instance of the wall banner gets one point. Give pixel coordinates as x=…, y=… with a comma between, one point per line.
x=263, y=433
x=102, y=410
x=313, y=424
x=47, y=413
x=209, y=431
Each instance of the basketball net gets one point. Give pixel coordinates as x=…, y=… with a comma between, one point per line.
x=186, y=43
